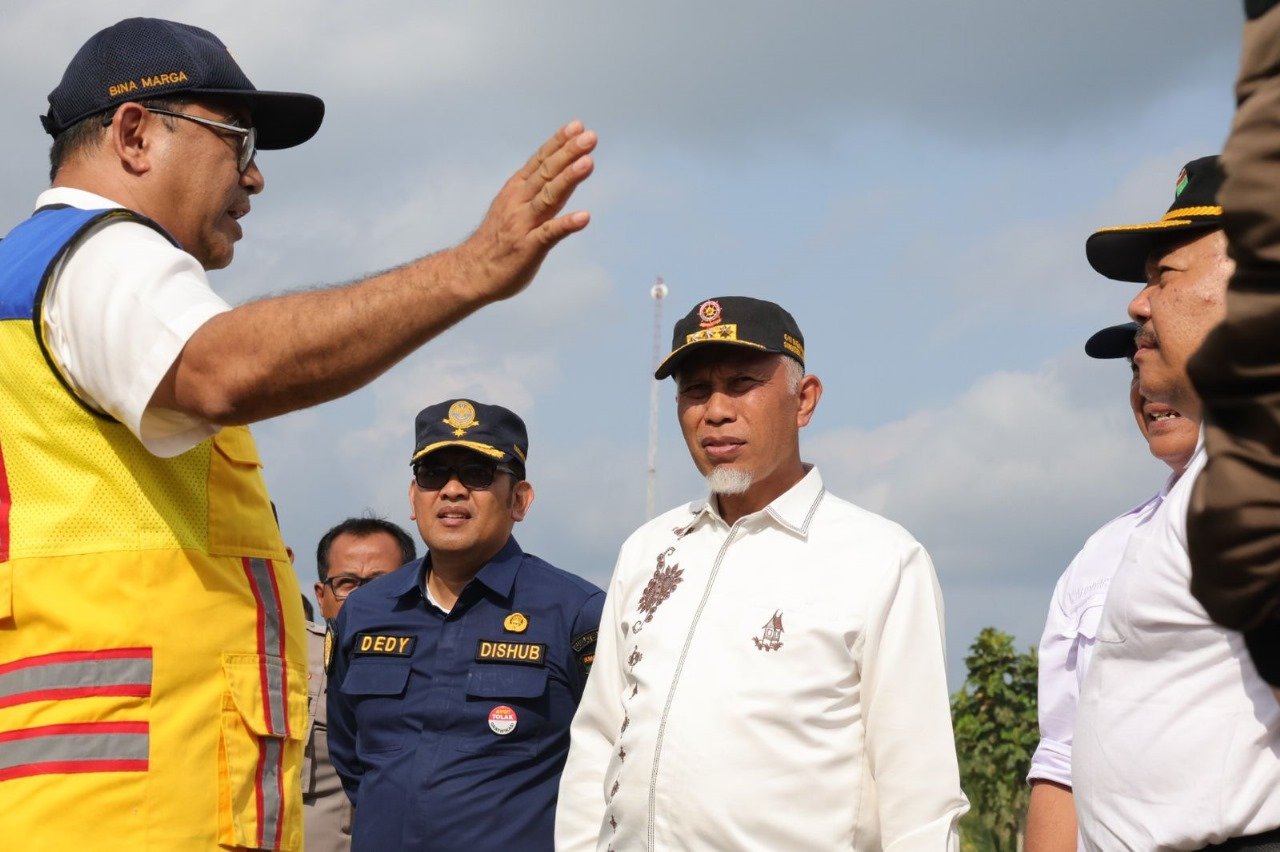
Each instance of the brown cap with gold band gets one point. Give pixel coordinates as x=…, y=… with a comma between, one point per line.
x=1121, y=252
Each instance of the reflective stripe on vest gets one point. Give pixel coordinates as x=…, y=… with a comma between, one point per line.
x=76, y=674
x=73, y=748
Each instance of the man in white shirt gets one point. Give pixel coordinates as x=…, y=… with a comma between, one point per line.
x=1177, y=741
x=769, y=673
x=1072, y=624
x=153, y=668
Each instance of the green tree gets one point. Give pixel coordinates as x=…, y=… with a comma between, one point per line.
x=996, y=731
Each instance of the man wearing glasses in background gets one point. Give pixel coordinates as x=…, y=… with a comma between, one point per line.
x=349, y=555
x=456, y=676
x=167, y=710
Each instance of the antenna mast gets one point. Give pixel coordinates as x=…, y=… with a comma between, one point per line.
x=658, y=293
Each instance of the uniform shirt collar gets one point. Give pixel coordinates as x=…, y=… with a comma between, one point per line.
x=73, y=197
x=498, y=575
x=792, y=510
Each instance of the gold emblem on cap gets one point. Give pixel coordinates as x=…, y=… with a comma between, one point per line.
x=516, y=622
x=462, y=416
x=709, y=313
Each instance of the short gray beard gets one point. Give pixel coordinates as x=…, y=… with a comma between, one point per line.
x=728, y=480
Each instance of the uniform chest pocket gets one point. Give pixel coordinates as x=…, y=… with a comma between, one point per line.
x=379, y=688
x=490, y=681
x=506, y=709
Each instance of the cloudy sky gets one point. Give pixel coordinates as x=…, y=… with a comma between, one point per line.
x=913, y=179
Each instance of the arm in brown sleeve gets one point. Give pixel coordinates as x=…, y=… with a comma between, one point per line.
x=1234, y=519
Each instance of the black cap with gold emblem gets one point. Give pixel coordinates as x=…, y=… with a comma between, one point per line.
x=735, y=321
x=1121, y=252
x=490, y=430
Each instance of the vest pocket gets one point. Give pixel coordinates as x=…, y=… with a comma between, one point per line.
x=258, y=748
x=6, y=591
x=239, y=508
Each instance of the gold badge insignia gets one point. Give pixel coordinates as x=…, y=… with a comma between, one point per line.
x=462, y=416
x=328, y=649
x=516, y=622
x=709, y=313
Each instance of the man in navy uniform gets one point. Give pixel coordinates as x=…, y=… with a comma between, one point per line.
x=455, y=677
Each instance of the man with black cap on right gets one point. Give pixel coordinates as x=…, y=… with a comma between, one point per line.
x=770, y=667
x=1177, y=738
x=153, y=666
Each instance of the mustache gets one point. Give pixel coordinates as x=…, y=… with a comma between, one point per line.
x=1146, y=337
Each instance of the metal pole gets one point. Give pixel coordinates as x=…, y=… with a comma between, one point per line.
x=658, y=293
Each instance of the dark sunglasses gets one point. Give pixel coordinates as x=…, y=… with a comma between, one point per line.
x=432, y=476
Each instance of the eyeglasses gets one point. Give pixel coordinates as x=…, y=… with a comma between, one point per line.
x=346, y=584
x=432, y=476
x=248, y=135
x=248, y=144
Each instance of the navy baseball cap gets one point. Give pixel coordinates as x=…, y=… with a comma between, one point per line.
x=490, y=430
x=1114, y=341
x=734, y=321
x=1121, y=252
x=142, y=58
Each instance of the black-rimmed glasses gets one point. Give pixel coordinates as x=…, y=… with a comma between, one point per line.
x=346, y=584
x=432, y=476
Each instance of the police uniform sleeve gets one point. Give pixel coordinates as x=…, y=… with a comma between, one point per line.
x=342, y=718
x=1232, y=535
x=580, y=807
x=583, y=639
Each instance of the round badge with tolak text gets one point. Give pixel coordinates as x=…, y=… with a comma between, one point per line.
x=502, y=720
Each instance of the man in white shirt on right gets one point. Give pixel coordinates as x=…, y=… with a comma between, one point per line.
x=1072, y=624
x=1177, y=740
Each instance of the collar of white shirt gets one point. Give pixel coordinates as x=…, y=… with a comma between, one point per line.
x=792, y=510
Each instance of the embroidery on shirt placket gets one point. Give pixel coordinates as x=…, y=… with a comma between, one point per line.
x=660, y=586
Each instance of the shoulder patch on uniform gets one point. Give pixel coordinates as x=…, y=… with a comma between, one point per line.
x=584, y=646
x=506, y=651
x=383, y=645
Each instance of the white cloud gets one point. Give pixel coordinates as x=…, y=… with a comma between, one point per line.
x=1002, y=483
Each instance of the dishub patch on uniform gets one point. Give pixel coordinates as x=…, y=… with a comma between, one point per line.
x=384, y=645
x=502, y=720
x=499, y=651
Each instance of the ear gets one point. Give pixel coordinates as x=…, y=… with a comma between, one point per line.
x=810, y=391
x=133, y=135
x=413, y=512
x=320, y=589
x=521, y=500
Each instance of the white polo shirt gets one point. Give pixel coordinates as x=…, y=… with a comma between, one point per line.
x=1177, y=742
x=775, y=684
x=117, y=313
x=1069, y=630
